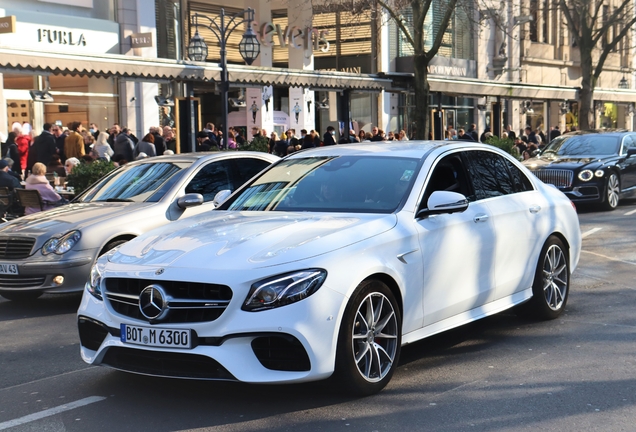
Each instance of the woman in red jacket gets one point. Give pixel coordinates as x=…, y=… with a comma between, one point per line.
x=23, y=141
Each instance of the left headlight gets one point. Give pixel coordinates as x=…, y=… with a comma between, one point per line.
x=586, y=175
x=62, y=244
x=93, y=285
x=283, y=289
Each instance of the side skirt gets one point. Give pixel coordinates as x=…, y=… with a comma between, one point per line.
x=468, y=316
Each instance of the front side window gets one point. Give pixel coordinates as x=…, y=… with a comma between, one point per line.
x=330, y=184
x=629, y=142
x=134, y=183
x=450, y=175
x=489, y=173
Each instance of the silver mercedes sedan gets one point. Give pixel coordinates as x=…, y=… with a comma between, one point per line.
x=53, y=251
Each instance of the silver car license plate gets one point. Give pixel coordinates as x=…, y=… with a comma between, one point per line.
x=156, y=337
x=8, y=269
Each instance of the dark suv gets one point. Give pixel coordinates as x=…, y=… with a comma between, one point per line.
x=589, y=167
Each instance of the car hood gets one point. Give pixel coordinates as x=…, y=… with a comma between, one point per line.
x=68, y=217
x=235, y=240
x=563, y=162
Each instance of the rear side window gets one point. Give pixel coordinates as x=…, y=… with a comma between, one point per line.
x=211, y=179
x=245, y=169
x=490, y=175
x=520, y=181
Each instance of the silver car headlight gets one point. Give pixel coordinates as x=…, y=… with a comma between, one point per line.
x=586, y=175
x=93, y=285
x=62, y=244
x=283, y=289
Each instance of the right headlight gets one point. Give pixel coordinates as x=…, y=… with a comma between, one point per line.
x=62, y=244
x=93, y=285
x=586, y=175
x=283, y=289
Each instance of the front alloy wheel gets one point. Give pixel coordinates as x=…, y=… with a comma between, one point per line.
x=369, y=340
x=612, y=192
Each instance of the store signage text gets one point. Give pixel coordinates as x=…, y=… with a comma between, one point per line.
x=353, y=70
x=448, y=70
x=7, y=24
x=308, y=38
x=61, y=37
x=141, y=40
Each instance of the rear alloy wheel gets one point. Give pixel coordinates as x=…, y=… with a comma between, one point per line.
x=551, y=282
x=369, y=340
x=20, y=296
x=612, y=192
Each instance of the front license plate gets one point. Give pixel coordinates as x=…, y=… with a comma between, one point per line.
x=156, y=337
x=8, y=269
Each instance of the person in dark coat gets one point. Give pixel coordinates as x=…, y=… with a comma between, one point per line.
x=328, y=138
x=472, y=131
x=10, y=150
x=6, y=179
x=160, y=143
x=461, y=135
x=124, y=145
x=555, y=133
x=44, y=146
x=60, y=137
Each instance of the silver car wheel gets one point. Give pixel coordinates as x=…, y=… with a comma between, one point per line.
x=555, y=277
x=375, y=337
x=613, y=191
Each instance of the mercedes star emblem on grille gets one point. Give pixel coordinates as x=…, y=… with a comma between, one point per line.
x=153, y=303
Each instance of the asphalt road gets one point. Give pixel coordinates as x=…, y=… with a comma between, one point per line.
x=576, y=373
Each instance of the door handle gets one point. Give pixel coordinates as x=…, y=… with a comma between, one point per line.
x=535, y=209
x=480, y=218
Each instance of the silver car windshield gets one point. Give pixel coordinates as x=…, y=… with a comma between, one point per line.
x=330, y=184
x=136, y=183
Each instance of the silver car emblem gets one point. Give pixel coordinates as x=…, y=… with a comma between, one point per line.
x=160, y=271
x=153, y=302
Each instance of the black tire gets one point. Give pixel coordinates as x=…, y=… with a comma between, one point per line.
x=612, y=192
x=111, y=245
x=551, y=285
x=378, y=349
x=20, y=296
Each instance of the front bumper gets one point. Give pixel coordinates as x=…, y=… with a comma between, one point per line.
x=588, y=193
x=292, y=343
x=35, y=275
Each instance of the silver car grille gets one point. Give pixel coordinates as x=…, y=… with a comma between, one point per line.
x=189, y=301
x=16, y=247
x=11, y=281
x=558, y=177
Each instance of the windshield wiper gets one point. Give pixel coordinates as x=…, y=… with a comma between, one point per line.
x=116, y=200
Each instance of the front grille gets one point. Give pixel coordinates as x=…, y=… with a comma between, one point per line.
x=166, y=364
x=190, y=301
x=17, y=281
x=558, y=177
x=282, y=353
x=16, y=247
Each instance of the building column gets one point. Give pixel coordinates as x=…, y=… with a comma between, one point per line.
x=259, y=102
x=302, y=112
x=4, y=119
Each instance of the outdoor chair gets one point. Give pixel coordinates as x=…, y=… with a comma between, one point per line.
x=8, y=205
x=30, y=198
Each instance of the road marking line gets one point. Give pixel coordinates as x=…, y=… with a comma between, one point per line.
x=49, y=412
x=46, y=378
x=629, y=213
x=610, y=258
x=590, y=232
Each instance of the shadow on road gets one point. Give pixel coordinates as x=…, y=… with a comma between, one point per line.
x=47, y=305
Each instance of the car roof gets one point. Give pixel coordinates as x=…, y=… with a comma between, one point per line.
x=409, y=149
x=612, y=132
x=193, y=157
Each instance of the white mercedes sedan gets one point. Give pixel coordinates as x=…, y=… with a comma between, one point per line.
x=329, y=261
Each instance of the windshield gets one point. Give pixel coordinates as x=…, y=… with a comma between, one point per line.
x=583, y=145
x=136, y=183
x=330, y=184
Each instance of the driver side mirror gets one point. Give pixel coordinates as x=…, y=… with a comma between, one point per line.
x=631, y=152
x=221, y=196
x=444, y=202
x=190, y=200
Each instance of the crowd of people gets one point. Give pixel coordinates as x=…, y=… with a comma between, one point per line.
x=27, y=157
